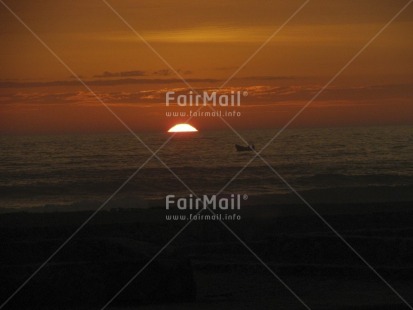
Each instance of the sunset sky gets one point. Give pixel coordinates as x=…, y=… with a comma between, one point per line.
x=205, y=42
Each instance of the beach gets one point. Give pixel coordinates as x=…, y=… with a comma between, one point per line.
x=299, y=249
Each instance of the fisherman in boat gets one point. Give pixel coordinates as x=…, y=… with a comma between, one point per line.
x=241, y=148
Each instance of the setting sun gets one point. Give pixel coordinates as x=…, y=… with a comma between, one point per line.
x=182, y=128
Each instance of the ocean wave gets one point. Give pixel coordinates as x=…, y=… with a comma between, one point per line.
x=366, y=179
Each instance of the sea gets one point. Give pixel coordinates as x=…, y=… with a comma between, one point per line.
x=54, y=172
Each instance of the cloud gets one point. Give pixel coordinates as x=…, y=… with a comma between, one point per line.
x=36, y=97
x=138, y=73
x=168, y=72
x=369, y=93
x=102, y=82
x=258, y=95
x=108, y=74
x=268, y=78
x=108, y=78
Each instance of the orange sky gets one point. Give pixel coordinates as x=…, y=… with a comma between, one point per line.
x=205, y=42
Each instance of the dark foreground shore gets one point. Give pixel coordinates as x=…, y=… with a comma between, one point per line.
x=206, y=266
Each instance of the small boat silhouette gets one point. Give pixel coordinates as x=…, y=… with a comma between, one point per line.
x=241, y=148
